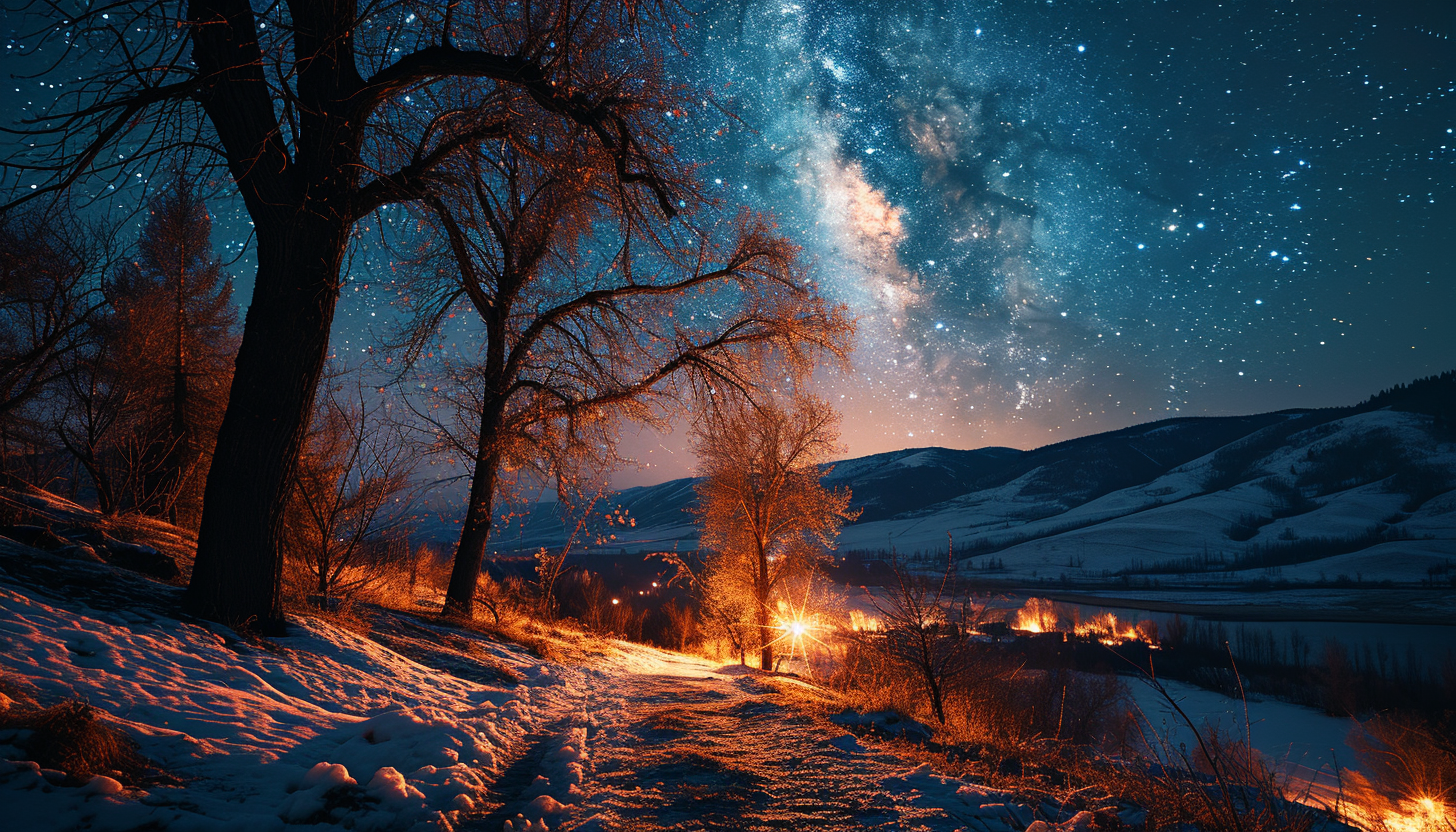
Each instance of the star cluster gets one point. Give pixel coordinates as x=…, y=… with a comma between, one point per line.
x=1052, y=219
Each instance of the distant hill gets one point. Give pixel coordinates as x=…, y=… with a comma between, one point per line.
x=1367, y=492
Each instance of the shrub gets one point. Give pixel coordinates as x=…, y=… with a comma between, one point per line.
x=1409, y=758
x=1420, y=483
x=70, y=737
x=1246, y=527
x=1365, y=458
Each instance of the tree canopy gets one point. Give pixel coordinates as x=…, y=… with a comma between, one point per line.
x=323, y=112
x=765, y=516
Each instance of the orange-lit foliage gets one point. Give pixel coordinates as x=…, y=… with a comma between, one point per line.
x=1412, y=767
x=345, y=527
x=765, y=515
x=145, y=392
x=1037, y=615
x=173, y=330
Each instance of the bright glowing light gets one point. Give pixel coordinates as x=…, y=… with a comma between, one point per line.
x=796, y=630
x=796, y=625
x=1421, y=814
x=1039, y=615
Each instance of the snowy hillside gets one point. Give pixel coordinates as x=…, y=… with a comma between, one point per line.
x=1279, y=515
x=420, y=727
x=1364, y=493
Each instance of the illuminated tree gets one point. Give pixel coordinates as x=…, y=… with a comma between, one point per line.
x=325, y=111
x=348, y=512
x=584, y=315
x=766, y=518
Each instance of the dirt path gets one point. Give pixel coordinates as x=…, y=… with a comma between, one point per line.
x=678, y=744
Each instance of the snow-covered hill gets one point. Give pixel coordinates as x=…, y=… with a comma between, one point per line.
x=1366, y=493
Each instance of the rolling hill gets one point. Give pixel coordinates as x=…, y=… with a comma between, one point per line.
x=1366, y=492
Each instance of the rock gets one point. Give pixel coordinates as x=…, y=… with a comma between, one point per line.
x=887, y=724
x=137, y=558
x=37, y=537
x=80, y=551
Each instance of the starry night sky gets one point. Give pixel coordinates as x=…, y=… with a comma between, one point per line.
x=1058, y=218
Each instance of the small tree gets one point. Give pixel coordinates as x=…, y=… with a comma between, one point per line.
x=144, y=383
x=348, y=517
x=926, y=621
x=96, y=414
x=766, y=518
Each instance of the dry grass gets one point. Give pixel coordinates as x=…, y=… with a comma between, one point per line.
x=71, y=737
x=543, y=641
x=1073, y=740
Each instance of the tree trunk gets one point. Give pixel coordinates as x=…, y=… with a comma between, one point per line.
x=178, y=442
x=926, y=642
x=465, y=573
x=765, y=629
x=237, y=577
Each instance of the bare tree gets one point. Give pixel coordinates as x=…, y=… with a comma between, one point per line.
x=94, y=419
x=926, y=621
x=766, y=518
x=51, y=266
x=586, y=315
x=350, y=506
x=323, y=112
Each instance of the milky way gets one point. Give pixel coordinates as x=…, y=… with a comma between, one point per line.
x=1051, y=218
x=1054, y=219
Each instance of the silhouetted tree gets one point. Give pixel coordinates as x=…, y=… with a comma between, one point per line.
x=766, y=518
x=97, y=414
x=926, y=622
x=324, y=111
x=173, y=323
x=350, y=506
x=51, y=266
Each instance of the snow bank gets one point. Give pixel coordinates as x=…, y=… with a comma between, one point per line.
x=324, y=728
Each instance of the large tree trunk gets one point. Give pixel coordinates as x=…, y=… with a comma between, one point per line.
x=236, y=579
x=460, y=597
x=300, y=206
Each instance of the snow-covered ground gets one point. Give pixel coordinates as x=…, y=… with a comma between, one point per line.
x=1303, y=745
x=419, y=727
x=322, y=725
